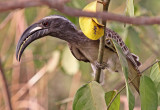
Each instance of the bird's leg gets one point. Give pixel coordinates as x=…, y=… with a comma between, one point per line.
x=102, y=66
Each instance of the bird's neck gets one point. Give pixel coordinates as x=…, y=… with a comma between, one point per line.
x=71, y=35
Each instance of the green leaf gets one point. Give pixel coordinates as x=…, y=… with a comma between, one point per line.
x=155, y=73
x=148, y=94
x=158, y=92
x=130, y=97
x=116, y=103
x=69, y=63
x=90, y=97
x=155, y=76
x=130, y=8
x=124, y=64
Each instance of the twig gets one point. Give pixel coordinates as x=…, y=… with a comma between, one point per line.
x=28, y=105
x=5, y=90
x=73, y=89
x=121, y=91
x=30, y=83
x=12, y=5
x=129, y=83
x=27, y=60
x=64, y=101
x=149, y=66
x=102, y=44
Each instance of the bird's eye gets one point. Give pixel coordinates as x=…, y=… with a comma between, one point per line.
x=45, y=24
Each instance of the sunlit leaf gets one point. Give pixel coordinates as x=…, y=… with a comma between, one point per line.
x=90, y=97
x=148, y=94
x=130, y=8
x=116, y=103
x=129, y=12
x=69, y=63
x=92, y=27
x=155, y=76
x=124, y=64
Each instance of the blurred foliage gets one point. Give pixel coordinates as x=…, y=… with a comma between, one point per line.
x=155, y=76
x=56, y=86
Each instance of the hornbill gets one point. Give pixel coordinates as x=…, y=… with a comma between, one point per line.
x=82, y=48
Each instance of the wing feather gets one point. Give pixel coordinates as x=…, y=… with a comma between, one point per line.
x=132, y=57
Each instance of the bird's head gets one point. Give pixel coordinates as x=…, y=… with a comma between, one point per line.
x=52, y=25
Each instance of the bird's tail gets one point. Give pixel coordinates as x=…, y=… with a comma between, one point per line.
x=134, y=73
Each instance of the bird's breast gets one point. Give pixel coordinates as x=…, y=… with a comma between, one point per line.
x=110, y=58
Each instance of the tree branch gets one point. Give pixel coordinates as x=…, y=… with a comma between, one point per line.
x=102, y=43
x=12, y=5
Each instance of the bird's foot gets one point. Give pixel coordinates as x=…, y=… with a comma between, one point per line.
x=103, y=65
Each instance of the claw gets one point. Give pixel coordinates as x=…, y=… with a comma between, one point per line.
x=101, y=66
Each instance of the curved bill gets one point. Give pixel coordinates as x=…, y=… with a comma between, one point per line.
x=30, y=34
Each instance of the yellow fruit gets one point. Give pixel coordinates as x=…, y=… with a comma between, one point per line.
x=92, y=27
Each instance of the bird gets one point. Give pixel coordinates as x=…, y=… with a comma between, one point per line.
x=82, y=48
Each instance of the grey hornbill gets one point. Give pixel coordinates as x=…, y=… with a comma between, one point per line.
x=81, y=47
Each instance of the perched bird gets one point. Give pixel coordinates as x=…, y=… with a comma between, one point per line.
x=82, y=48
